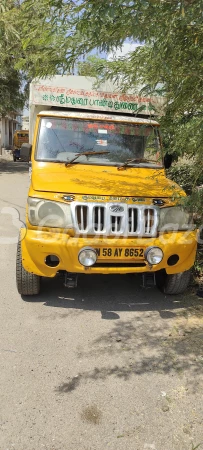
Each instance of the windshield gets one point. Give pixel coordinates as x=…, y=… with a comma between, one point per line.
x=114, y=143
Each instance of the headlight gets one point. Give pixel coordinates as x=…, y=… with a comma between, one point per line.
x=175, y=218
x=87, y=256
x=45, y=213
x=154, y=255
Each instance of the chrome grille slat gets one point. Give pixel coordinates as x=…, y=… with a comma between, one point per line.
x=99, y=219
x=148, y=221
x=94, y=219
x=133, y=219
x=81, y=214
x=82, y=217
x=116, y=224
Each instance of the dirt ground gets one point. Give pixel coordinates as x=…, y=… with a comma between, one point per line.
x=109, y=365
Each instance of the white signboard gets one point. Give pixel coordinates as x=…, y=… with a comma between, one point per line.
x=65, y=96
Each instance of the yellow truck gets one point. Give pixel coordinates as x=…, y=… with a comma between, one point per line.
x=99, y=201
x=20, y=137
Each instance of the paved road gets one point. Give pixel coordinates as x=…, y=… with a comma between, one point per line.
x=107, y=366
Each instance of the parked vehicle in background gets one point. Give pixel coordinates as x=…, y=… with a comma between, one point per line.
x=99, y=201
x=20, y=137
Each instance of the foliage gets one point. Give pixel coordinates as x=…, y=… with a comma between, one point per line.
x=92, y=66
x=11, y=95
x=54, y=34
x=185, y=174
x=195, y=204
x=42, y=32
x=57, y=32
x=198, y=265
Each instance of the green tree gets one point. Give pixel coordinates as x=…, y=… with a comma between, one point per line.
x=11, y=80
x=42, y=30
x=53, y=35
x=93, y=66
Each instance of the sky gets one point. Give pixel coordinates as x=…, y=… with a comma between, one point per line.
x=126, y=48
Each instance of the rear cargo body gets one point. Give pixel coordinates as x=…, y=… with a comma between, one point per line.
x=99, y=200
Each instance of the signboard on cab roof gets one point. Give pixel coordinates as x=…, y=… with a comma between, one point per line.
x=79, y=92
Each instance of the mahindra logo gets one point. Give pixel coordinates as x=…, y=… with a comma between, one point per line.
x=116, y=208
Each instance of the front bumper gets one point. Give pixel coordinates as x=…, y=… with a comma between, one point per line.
x=37, y=245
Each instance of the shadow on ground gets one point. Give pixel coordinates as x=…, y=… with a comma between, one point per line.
x=10, y=167
x=112, y=293
x=107, y=293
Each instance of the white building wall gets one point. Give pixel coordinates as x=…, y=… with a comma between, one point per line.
x=8, y=125
x=25, y=122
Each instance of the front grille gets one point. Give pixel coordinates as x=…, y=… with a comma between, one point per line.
x=110, y=219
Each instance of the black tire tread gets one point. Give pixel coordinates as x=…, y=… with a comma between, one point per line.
x=175, y=283
x=27, y=283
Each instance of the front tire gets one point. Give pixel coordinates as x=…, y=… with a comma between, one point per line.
x=173, y=284
x=27, y=283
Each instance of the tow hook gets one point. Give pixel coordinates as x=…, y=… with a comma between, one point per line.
x=71, y=280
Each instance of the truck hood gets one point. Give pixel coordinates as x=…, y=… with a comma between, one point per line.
x=101, y=180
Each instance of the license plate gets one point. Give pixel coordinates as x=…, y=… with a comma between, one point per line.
x=120, y=253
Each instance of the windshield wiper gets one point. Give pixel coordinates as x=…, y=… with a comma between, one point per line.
x=137, y=160
x=85, y=154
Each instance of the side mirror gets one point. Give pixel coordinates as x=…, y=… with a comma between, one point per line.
x=25, y=152
x=168, y=159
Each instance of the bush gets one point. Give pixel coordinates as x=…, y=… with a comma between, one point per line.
x=185, y=175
